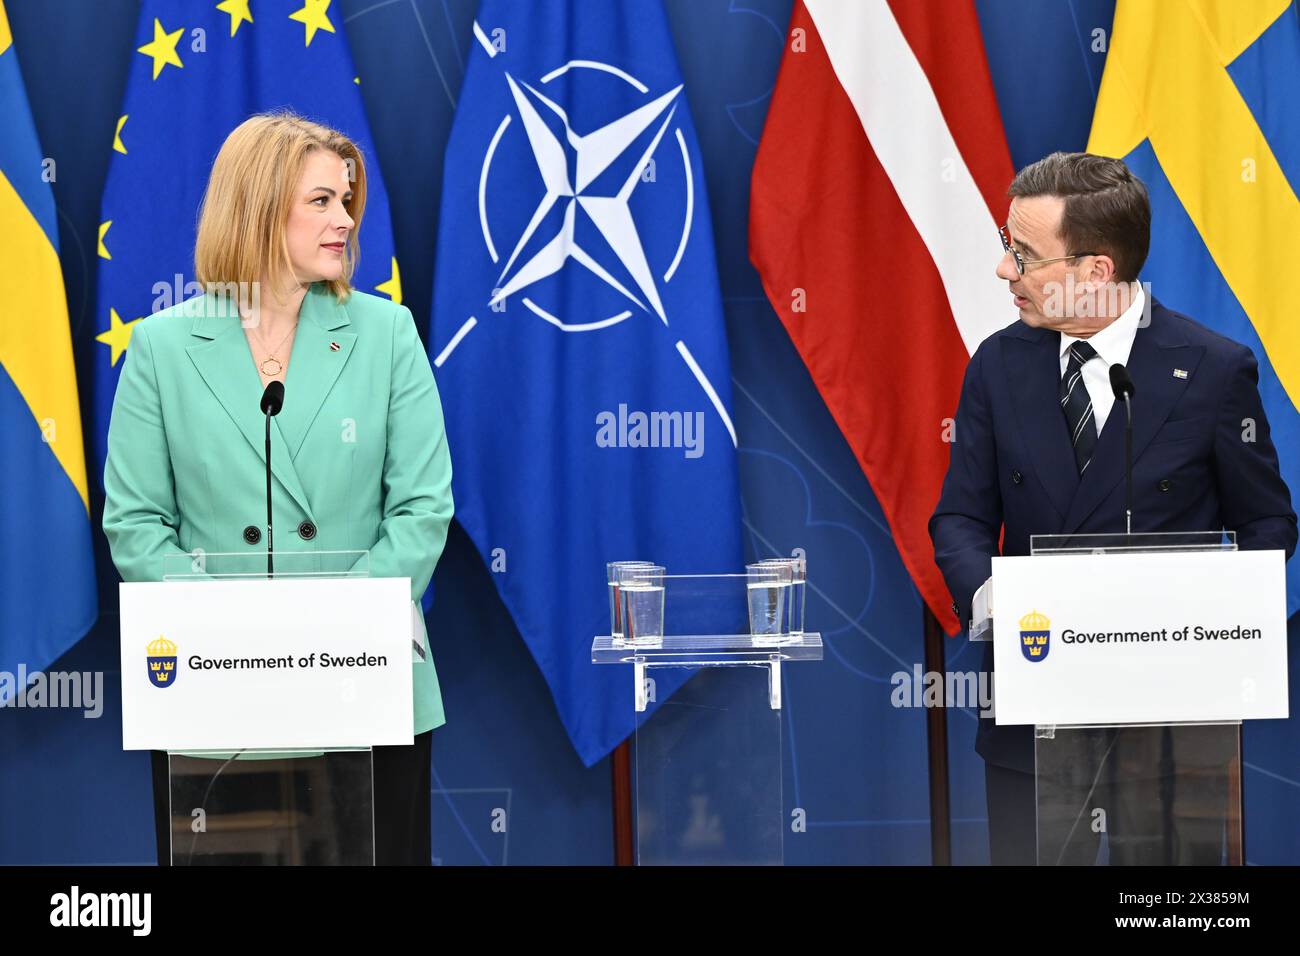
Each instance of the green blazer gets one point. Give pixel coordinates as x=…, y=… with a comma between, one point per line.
x=358, y=453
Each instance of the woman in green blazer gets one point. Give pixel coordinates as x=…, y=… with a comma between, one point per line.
x=359, y=453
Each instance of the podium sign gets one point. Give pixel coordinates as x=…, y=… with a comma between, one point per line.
x=266, y=663
x=1140, y=638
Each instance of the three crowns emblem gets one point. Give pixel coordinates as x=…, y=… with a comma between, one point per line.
x=1035, y=636
x=161, y=657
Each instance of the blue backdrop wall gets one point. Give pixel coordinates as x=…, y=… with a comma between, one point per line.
x=855, y=764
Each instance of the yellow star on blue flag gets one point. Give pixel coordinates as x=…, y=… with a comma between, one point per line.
x=313, y=16
x=162, y=48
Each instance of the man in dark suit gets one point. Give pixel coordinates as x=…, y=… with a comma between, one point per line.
x=1037, y=449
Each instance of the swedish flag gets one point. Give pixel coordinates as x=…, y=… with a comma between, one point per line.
x=1199, y=98
x=198, y=72
x=46, y=561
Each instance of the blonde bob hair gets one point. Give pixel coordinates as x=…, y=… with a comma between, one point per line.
x=241, y=235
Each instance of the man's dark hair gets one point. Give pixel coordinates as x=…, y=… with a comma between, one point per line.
x=1106, y=206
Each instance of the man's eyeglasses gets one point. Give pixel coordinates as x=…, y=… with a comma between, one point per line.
x=1021, y=262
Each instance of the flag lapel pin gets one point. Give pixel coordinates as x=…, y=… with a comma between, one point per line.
x=1180, y=373
x=334, y=347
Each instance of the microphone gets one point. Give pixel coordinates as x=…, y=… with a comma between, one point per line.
x=273, y=398
x=272, y=402
x=1121, y=383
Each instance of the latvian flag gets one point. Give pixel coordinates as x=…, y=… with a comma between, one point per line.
x=879, y=184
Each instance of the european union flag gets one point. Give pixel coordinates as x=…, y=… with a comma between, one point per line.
x=1203, y=110
x=576, y=305
x=46, y=562
x=199, y=71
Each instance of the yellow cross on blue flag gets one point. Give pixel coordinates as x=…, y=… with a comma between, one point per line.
x=199, y=70
x=1198, y=98
x=46, y=560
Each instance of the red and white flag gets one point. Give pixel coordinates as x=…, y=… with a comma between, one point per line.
x=879, y=184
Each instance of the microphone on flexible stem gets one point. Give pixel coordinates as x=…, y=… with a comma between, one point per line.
x=1121, y=383
x=272, y=402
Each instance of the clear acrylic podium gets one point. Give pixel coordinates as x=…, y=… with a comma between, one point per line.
x=271, y=807
x=1138, y=794
x=708, y=765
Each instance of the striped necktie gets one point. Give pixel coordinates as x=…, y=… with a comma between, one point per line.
x=1077, y=405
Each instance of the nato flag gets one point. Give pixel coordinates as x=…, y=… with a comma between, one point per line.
x=578, y=334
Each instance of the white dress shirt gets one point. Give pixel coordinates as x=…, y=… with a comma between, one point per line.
x=1112, y=344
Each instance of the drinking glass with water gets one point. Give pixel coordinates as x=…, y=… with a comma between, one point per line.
x=641, y=596
x=798, y=590
x=769, y=585
x=613, y=570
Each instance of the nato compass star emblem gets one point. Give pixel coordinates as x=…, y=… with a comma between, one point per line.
x=583, y=218
x=570, y=169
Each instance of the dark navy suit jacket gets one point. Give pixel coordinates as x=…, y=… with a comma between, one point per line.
x=1012, y=465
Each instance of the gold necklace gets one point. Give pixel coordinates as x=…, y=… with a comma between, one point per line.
x=271, y=360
